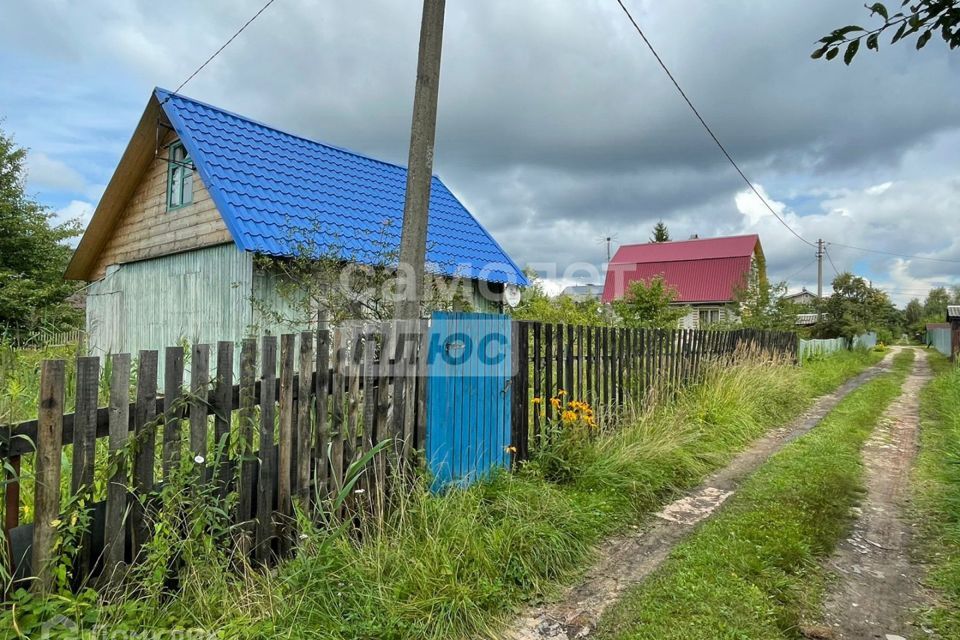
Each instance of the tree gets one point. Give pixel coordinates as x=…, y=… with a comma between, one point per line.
x=660, y=233
x=535, y=304
x=855, y=308
x=913, y=317
x=762, y=305
x=649, y=305
x=935, y=307
x=924, y=17
x=33, y=254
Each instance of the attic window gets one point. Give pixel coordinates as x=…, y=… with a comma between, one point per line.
x=179, y=178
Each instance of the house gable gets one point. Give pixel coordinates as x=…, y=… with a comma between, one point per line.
x=708, y=270
x=147, y=229
x=132, y=222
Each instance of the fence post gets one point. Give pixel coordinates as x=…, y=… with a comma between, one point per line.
x=199, y=387
x=285, y=436
x=172, y=409
x=114, y=532
x=84, y=444
x=304, y=447
x=268, y=455
x=223, y=412
x=145, y=429
x=321, y=390
x=248, y=382
x=47, y=470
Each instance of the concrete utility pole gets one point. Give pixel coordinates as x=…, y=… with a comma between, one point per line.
x=413, y=239
x=819, y=277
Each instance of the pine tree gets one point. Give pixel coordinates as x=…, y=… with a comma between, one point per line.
x=660, y=233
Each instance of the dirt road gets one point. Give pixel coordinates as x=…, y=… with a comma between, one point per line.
x=625, y=561
x=877, y=585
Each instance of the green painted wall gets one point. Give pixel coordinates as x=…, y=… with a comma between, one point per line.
x=198, y=296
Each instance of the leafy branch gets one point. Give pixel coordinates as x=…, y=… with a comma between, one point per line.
x=924, y=17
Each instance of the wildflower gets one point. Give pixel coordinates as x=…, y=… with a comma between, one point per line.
x=198, y=459
x=561, y=393
x=303, y=536
x=569, y=416
x=555, y=402
x=359, y=491
x=511, y=449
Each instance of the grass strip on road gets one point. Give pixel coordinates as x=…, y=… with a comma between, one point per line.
x=938, y=494
x=752, y=571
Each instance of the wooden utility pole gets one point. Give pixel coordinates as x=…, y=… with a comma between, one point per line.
x=413, y=240
x=819, y=278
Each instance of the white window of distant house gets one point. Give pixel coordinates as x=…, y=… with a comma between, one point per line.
x=709, y=316
x=179, y=177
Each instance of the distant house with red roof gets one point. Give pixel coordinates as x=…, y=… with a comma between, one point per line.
x=706, y=272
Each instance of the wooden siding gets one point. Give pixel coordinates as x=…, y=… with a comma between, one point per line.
x=201, y=296
x=146, y=229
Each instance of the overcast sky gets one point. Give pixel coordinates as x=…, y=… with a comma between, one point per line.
x=556, y=127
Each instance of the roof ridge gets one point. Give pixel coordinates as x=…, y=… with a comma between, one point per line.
x=259, y=123
x=740, y=235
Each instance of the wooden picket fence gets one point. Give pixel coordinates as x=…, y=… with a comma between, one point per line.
x=302, y=410
x=609, y=367
x=328, y=400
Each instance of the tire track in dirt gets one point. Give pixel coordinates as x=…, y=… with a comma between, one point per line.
x=878, y=585
x=626, y=560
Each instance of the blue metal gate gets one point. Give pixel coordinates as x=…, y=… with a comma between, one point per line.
x=468, y=396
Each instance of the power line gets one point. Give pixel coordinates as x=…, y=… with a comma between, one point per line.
x=707, y=127
x=891, y=253
x=827, y=253
x=222, y=47
x=803, y=268
x=737, y=167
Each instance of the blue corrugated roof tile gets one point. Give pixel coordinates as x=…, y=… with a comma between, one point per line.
x=273, y=188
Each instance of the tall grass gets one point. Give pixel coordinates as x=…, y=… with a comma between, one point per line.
x=938, y=493
x=20, y=379
x=456, y=565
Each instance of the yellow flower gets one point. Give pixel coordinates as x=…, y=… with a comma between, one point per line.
x=511, y=449
x=561, y=393
x=555, y=402
x=537, y=400
x=569, y=416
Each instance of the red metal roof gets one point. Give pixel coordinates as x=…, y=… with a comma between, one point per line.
x=707, y=270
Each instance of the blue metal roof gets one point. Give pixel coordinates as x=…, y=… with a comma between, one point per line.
x=279, y=193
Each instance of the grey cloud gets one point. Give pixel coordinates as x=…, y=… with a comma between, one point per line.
x=555, y=124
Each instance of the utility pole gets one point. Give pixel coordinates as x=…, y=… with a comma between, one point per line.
x=819, y=277
x=416, y=205
x=608, y=248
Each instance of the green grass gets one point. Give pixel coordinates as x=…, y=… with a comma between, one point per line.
x=752, y=572
x=20, y=379
x=938, y=493
x=457, y=565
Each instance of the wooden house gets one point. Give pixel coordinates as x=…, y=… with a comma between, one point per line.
x=201, y=192
x=705, y=272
